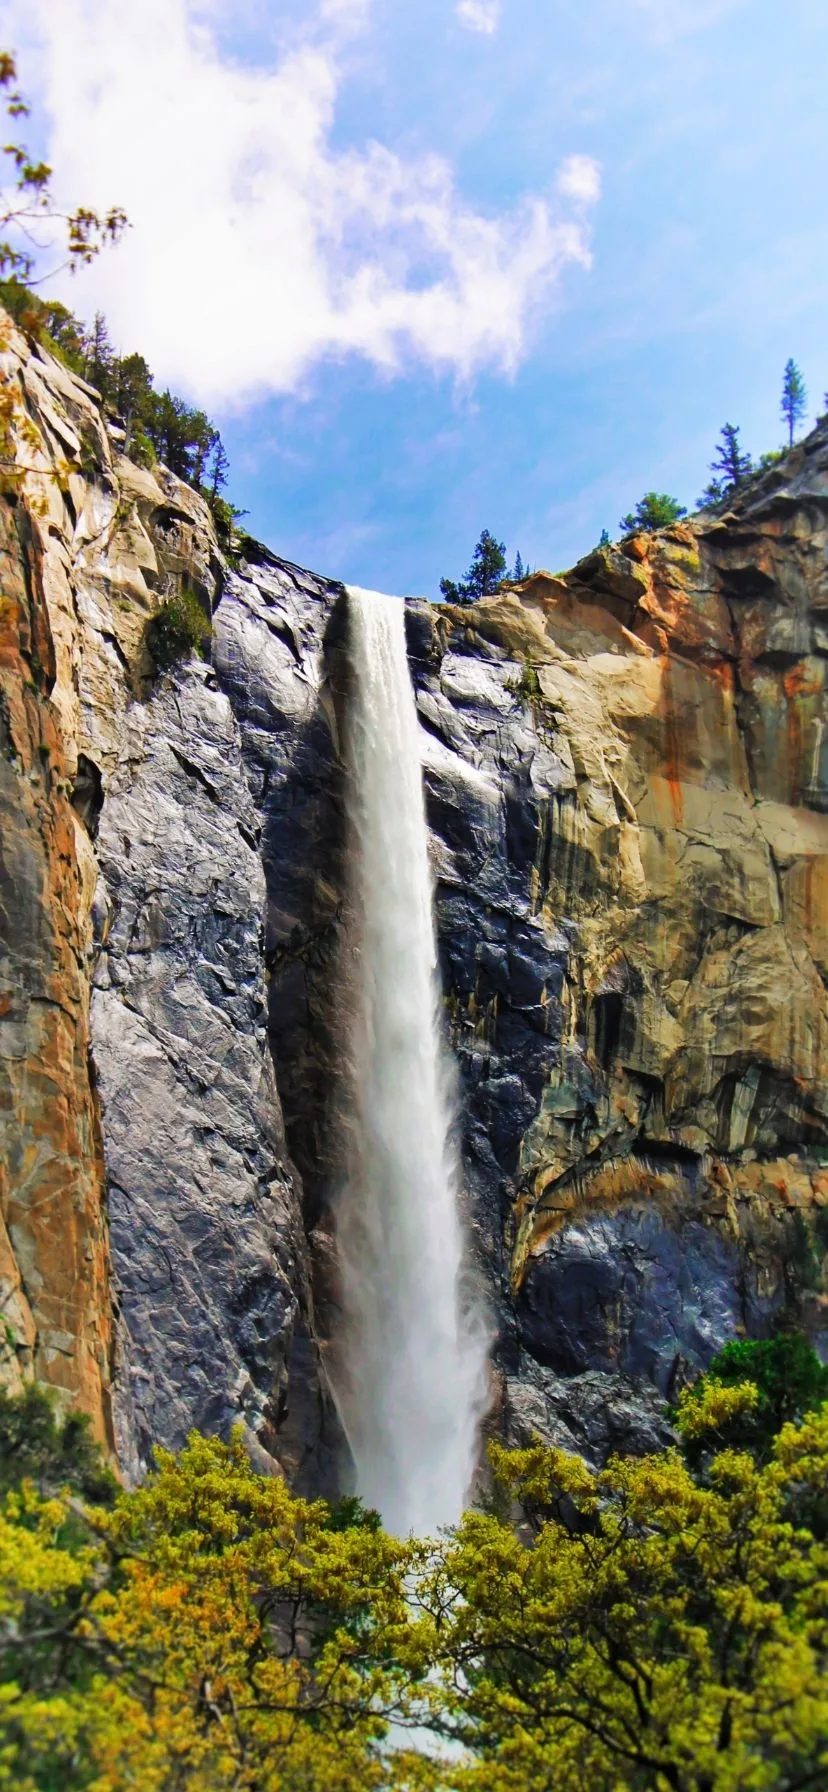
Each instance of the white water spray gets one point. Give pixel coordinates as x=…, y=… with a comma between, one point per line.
x=411, y=1388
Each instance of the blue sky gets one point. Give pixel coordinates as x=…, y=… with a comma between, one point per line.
x=368, y=235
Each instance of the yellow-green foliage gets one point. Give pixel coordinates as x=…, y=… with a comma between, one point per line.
x=209, y=1632
x=713, y=1410
x=658, y=1632
x=638, y=1628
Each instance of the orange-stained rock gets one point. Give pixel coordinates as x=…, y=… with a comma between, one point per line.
x=667, y=774
x=54, y=1288
x=79, y=577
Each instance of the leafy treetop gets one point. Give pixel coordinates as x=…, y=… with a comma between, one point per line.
x=28, y=200
x=786, y=1379
x=650, y=1628
x=657, y=1633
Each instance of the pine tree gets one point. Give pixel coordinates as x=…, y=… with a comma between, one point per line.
x=730, y=468
x=99, y=359
x=519, y=571
x=218, y=469
x=730, y=461
x=485, y=575
x=794, y=398
x=656, y=510
x=133, y=397
x=604, y=539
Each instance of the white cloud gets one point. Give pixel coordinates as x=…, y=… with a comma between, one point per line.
x=479, y=15
x=579, y=178
x=257, y=249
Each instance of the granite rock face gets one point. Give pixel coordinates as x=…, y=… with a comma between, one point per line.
x=204, y=1223
x=55, y=1317
x=176, y=1281
x=627, y=791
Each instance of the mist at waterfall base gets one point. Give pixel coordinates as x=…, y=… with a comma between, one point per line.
x=411, y=1383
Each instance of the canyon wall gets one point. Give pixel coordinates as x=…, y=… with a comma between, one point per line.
x=627, y=791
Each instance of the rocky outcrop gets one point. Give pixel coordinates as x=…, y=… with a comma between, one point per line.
x=628, y=800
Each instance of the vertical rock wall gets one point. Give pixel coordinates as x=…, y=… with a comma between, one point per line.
x=627, y=787
x=627, y=790
x=181, y=1276
x=55, y=1309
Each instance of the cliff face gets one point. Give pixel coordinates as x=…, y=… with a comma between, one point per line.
x=54, y=1299
x=628, y=800
x=632, y=855
x=132, y=890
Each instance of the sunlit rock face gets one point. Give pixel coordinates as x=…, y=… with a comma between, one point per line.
x=55, y=1313
x=627, y=794
x=627, y=790
x=159, y=1270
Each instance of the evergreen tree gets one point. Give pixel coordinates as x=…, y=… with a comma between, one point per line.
x=219, y=469
x=730, y=468
x=604, y=539
x=519, y=570
x=794, y=398
x=133, y=397
x=53, y=1450
x=485, y=575
x=99, y=359
x=656, y=510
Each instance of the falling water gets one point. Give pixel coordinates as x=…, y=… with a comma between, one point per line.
x=412, y=1384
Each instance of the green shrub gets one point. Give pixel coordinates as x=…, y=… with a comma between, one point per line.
x=37, y=1444
x=789, y=1380
x=527, y=686
x=179, y=629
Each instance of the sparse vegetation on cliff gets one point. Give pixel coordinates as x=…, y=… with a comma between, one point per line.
x=153, y=425
x=179, y=628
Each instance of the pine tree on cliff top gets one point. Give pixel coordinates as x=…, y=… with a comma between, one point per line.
x=730, y=467
x=656, y=510
x=484, y=577
x=794, y=398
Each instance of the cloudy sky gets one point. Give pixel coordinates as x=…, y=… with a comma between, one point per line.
x=441, y=265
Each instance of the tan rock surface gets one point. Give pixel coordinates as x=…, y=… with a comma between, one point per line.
x=683, y=678
x=80, y=577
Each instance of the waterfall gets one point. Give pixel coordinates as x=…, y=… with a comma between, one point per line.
x=411, y=1383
